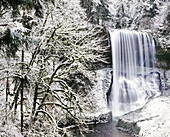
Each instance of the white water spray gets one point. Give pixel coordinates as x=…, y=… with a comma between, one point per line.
x=133, y=59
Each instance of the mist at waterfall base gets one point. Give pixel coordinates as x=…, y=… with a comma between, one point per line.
x=135, y=78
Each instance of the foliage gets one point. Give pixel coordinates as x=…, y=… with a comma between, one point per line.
x=9, y=43
x=25, y=4
x=51, y=71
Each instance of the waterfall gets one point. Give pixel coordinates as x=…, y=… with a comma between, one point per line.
x=134, y=75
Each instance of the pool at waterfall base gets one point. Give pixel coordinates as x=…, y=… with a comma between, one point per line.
x=106, y=130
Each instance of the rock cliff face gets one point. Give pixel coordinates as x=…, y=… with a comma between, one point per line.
x=150, y=15
x=99, y=113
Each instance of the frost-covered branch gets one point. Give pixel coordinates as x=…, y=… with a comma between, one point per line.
x=60, y=50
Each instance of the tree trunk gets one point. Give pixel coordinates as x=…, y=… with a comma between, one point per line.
x=22, y=89
x=7, y=92
x=35, y=99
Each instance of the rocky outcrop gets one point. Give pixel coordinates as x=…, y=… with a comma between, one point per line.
x=150, y=121
x=96, y=108
x=167, y=83
x=163, y=58
x=103, y=115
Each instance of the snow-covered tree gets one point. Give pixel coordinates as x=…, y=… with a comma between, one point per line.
x=52, y=68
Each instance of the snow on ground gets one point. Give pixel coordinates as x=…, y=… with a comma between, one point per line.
x=150, y=121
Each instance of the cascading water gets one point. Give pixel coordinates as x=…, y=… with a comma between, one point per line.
x=134, y=76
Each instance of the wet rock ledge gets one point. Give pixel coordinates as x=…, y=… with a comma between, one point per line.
x=153, y=120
